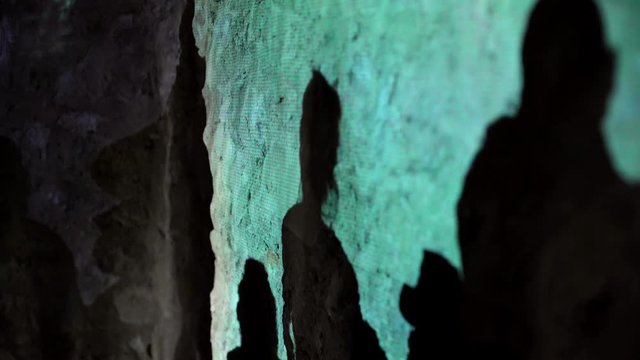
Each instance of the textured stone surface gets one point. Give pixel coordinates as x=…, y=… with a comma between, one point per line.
x=105, y=248
x=418, y=80
x=79, y=82
x=82, y=80
x=417, y=83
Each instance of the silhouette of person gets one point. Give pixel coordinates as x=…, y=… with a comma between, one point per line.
x=321, y=300
x=586, y=289
x=535, y=171
x=433, y=308
x=257, y=316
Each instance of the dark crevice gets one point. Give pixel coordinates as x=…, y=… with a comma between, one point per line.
x=195, y=264
x=257, y=316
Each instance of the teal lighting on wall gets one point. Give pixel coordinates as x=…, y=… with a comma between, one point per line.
x=419, y=81
x=622, y=128
x=64, y=7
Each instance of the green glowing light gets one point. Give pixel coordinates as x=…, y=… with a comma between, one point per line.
x=65, y=6
x=418, y=80
x=623, y=122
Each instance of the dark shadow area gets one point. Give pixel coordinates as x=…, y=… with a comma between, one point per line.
x=320, y=288
x=433, y=308
x=257, y=316
x=195, y=269
x=39, y=303
x=163, y=184
x=536, y=179
x=104, y=103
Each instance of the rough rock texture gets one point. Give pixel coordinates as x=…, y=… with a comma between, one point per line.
x=405, y=74
x=77, y=83
x=419, y=82
x=104, y=194
x=107, y=252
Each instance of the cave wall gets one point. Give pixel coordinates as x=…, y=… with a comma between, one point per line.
x=106, y=233
x=106, y=189
x=418, y=82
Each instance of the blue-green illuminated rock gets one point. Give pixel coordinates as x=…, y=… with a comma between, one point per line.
x=623, y=122
x=418, y=80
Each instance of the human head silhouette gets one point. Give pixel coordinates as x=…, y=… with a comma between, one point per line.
x=319, y=138
x=566, y=61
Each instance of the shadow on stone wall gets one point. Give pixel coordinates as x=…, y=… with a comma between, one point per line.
x=319, y=284
x=548, y=231
x=433, y=308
